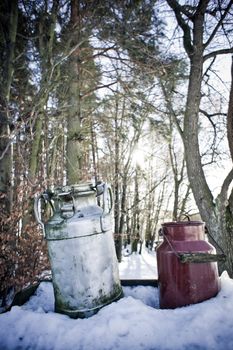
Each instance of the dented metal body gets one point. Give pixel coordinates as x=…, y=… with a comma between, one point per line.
x=81, y=251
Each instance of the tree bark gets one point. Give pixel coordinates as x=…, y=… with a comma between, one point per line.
x=216, y=214
x=45, y=46
x=136, y=214
x=230, y=115
x=201, y=191
x=116, y=186
x=6, y=145
x=74, y=136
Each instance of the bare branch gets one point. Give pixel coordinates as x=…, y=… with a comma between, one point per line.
x=185, y=27
x=63, y=58
x=5, y=150
x=89, y=92
x=151, y=190
x=218, y=52
x=171, y=110
x=209, y=116
x=219, y=24
x=224, y=190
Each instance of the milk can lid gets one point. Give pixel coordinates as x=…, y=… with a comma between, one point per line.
x=183, y=223
x=81, y=189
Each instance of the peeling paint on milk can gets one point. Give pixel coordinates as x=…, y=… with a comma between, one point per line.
x=81, y=249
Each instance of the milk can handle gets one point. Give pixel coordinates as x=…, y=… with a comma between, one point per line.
x=107, y=197
x=36, y=209
x=36, y=212
x=189, y=257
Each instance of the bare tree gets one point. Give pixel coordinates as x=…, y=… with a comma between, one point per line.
x=198, y=44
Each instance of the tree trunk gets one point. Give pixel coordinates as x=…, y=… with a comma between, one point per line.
x=201, y=191
x=6, y=146
x=116, y=185
x=218, y=222
x=230, y=116
x=123, y=204
x=226, y=204
x=46, y=35
x=74, y=135
x=35, y=150
x=136, y=213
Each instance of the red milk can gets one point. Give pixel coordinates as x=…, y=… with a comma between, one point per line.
x=187, y=267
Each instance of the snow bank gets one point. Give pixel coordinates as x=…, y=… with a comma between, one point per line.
x=134, y=322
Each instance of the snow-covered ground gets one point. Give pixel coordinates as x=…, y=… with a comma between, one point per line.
x=133, y=322
x=137, y=266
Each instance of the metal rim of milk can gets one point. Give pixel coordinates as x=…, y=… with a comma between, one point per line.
x=194, y=257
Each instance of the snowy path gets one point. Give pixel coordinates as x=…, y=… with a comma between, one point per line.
x=139, y=266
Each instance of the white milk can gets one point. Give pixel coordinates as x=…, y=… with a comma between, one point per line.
x=81, y=248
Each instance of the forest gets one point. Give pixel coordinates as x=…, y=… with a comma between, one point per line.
x=137, y=94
